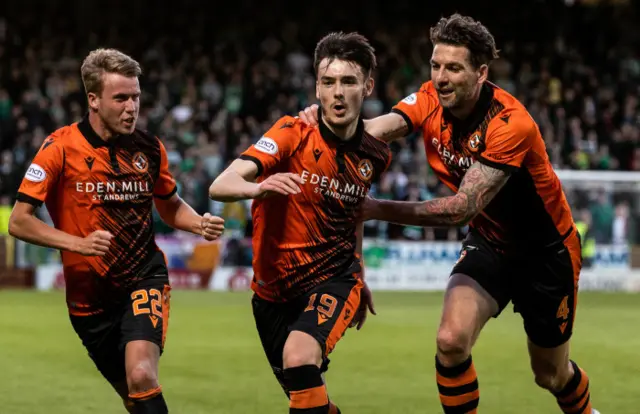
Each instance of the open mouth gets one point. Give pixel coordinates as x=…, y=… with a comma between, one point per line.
x=339, y=109
x=445, y=93
x=129, y=121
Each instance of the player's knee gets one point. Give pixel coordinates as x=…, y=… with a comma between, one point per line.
x=452, y=342
x=301, y=349
x=299, y=357
x=549, y=381
x=142, y=378
x=550, y=376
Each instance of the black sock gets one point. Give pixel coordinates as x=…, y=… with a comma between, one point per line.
x=307, y=392
x=149, y=402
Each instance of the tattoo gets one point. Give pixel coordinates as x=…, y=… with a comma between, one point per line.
x=479, y=185
x=387, y=127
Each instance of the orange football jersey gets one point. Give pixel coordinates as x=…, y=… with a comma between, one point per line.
x=88, y=184
x=303, y=239
x=531, y=209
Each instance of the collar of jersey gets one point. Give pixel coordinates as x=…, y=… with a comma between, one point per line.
x=329, y=136
x=92, y=136
x=475, y=118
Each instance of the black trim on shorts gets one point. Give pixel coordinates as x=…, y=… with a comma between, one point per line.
x=28, y=199
x=405, y=117
x=255, y=161
x=497, y=165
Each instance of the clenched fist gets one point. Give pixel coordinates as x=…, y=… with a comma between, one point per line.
x=95, y=244
x=212, y=227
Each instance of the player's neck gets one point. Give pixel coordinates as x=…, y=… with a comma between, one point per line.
x=99, y=127
x=345, y=133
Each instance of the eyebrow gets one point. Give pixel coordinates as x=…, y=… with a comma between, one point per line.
x=126, y=95
x=350, y=77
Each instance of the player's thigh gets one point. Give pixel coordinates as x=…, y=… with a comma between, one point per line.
x=546, y=293
x=100, y=335
x=477, y=290
x=145, y=322
x=329, y=310
x=272, y=323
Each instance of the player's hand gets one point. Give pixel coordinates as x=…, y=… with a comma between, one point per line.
x=309, y=115
x=368, y=209
x=281, y=183
x=95, y=244
x=212, y=227
x=366, y=304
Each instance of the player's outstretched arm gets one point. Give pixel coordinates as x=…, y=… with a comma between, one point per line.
x=25, y=226
x=480, y=184
x=387, y=127
x=176, y=213
x=366, y=297
x=237, y=183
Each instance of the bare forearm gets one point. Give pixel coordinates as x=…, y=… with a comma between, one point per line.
x=32, y=230
x=387, y=127
x=181, y=216
x=446, y=211
x=231, y=186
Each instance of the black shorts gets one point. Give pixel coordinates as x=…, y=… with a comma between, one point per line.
x=325, y=313
x=541, y=283
x=143, y=315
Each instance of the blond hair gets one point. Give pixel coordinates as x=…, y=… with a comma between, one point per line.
x=101, y=61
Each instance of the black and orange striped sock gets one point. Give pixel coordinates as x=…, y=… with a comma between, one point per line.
x=458, y=387
x=307, y=392
x=575, y=397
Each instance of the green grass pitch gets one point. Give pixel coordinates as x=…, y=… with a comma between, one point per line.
x=213, y=362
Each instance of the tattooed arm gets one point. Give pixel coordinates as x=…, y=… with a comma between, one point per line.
x=480, y=184
x=387, y=127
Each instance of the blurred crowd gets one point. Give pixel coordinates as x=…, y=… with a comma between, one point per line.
x=214, y=82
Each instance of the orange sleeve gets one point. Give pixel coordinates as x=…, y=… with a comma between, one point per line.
x=165, y=186
x=508, y=139
x=416, y=107
x=43, y=173
x=276, y=145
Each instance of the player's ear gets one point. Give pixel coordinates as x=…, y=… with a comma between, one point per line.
x=317, y=90
x=368, y=86
x=93, y=99
x=483, y=73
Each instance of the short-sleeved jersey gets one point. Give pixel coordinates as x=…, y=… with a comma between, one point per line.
x=531, y=209
x=89, y=184
x=301, y=240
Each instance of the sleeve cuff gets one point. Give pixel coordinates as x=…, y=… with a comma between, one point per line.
x=405, y=117
x=167, y=196
x=24, y=198
x=496, y=165
x=255, y=161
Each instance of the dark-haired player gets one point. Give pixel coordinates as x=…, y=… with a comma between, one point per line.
x=523, y=245
x=311, y=182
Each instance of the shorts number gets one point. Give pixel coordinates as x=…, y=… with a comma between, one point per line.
x=563, y=309
x=327, y=305
x=141, y=299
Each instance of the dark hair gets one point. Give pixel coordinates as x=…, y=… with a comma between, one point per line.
x=351, y=47
x=458, y=30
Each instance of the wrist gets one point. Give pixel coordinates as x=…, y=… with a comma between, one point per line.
x=73, y=244
x=252, y=190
